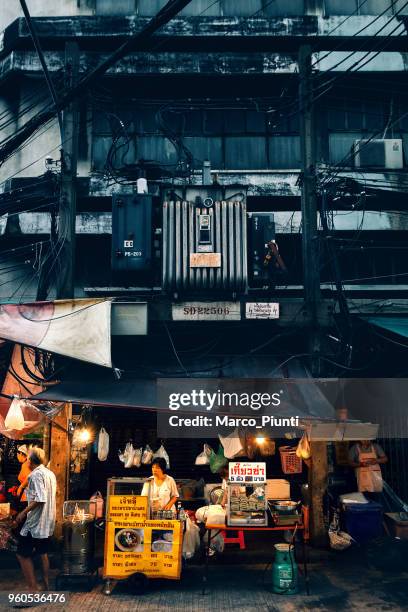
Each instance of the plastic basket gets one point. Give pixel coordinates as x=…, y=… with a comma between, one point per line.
x=291, y=463
x=340, y=540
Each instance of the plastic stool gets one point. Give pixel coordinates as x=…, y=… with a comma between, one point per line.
x=238, y=540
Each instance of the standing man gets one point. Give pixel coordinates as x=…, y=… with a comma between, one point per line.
x=366, y=457
x=39, y=516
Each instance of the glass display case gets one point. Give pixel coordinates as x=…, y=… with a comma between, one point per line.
x=247, y=505
x=125, y=486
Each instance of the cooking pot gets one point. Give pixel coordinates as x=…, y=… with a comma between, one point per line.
x=285, y=506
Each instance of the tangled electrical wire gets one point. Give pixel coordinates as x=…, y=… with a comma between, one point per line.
x=118, y=170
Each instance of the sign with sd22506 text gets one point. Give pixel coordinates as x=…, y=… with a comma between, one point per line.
x=206, y=311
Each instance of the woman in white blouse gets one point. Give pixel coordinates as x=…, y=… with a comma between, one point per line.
x=161, y=488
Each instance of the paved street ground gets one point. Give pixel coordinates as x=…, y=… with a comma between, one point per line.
x=366, y=579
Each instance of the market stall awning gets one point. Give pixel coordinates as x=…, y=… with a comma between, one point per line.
x=136, y=393
x=85, y=384
x=396, y=325
x=80, y=329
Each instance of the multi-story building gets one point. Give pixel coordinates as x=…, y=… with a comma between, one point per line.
x=220, y=84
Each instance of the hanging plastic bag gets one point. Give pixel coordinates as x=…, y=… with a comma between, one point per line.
x=137, y=457
x=103, y=444
x=303, y=450
x=217, y=460
x=204, y=457
x=129, y=452
x=15, y=418
x=191, y=539
x=147, y=455
x=232, y=445
x=161, y=452
x=98, y=499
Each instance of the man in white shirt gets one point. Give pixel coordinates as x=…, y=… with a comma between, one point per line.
x=39, y=516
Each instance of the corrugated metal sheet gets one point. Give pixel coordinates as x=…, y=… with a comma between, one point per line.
x=284, y=152
x=283, y=7
x=228, y=8
x=340, y=145
x=203, y=147
x=375, y=7
x=115, y=7
x=156, y=148
x=368, y=7
x=245, y=152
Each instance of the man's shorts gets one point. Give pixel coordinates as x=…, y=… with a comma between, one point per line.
x=27, y=545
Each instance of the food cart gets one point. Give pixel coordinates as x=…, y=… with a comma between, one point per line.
x=252, y=507
x=137, y=546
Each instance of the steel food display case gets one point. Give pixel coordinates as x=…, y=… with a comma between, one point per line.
x=247, y=503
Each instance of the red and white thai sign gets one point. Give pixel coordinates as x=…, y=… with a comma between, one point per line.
x=247, y=473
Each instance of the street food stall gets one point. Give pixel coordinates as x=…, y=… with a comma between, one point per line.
x=249, y=510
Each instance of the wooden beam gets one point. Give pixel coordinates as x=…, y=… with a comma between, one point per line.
x=59, y=460
x=317, y=485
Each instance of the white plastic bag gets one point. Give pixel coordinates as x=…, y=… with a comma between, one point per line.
x=161, y=452
x=232, y=445
x=147, y=455
x=217, y=542
x=129, y=452
x=137, y=457
x=215, y=515
x=211, y=515
x=204, y=457
x=191, y=540
x=15, y=417
x=103, y=444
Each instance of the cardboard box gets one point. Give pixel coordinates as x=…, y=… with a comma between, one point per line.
x=397, y=527
x=277, y=488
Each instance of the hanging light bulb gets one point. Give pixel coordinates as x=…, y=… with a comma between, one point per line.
x=15, y=417
x=84, y=435
x=260, y=440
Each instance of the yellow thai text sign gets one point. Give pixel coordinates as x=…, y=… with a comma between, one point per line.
x=127, y=507
x=150, y=547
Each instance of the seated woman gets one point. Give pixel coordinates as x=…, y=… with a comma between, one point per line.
x=161, y=488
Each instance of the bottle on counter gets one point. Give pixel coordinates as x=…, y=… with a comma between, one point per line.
x=181, y=515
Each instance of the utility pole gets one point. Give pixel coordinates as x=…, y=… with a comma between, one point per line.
x=311, y=264
x=317, y=478
x=69, y=161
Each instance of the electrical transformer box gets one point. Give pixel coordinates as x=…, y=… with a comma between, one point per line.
x=204, y=246
x=131, y=233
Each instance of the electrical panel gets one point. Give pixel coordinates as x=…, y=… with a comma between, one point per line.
x=261, y=231
x=131, y=233
x=379, y=153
